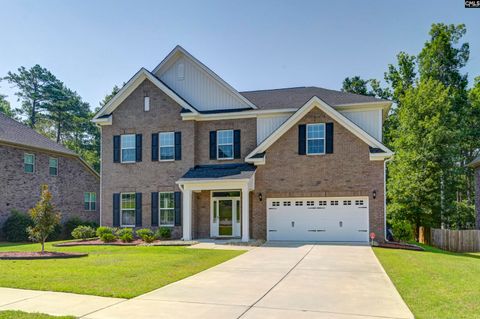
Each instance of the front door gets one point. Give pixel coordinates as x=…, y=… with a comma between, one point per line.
x=225, y=221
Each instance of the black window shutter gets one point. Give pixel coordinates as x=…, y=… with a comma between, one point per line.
x=302, y=139
x=138, y=147
x=116, y=148
x=178, y=208
x=213, y=145
x=138, y=209
x=236, y=144
x=154, y=206
x=329, y=138
x=154, y=147
x=116, y=210
x=178, y=146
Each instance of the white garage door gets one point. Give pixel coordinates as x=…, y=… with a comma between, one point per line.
x=342, y=219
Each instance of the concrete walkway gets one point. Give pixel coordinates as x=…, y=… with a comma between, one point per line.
x=53, y=303
x=276, y=281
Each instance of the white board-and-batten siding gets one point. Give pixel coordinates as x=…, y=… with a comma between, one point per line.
x=198, y=88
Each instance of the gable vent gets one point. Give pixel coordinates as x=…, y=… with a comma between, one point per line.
x=180, y=72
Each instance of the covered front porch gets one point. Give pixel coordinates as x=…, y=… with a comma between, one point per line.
x=222, y=205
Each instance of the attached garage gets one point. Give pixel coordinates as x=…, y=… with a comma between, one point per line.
x=329, y=219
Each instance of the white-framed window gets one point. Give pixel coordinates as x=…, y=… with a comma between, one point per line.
x=322, y=203
x=275, y=204
x=225, y=144
x=127, y=142
x=146, y=103
x=334, y=202
x=28, y=163
x=298, y=203
x=127, y=210
x=347, y=202
x=53, y=166
x=310, y=203
x=287, y=203
x=167, y=146
x=90, y=201
x=167, y=209
x=359, y=202
x=316, y=139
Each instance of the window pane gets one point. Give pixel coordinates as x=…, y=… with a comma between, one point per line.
x=86, y=206
x=128, y=155
x=166, y=200
x=225, y=137
x=28, y=159
x=315, y=146
x=29, y=168
x=53, y=162
x=53, y=171
x=93, y=206
x=167, y=139
x=167, y=153
x=315, y=131
x=225, y=151
x=128, y=217
x=93, y=197
x=167, y=217
x=128, y=141
x=128, y=201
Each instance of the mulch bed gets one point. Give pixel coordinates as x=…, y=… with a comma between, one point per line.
x=18, y=255
x=396, y=245
x=136, y=242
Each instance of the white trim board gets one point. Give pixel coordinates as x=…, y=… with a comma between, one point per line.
x=330, y=111
x=129, y=87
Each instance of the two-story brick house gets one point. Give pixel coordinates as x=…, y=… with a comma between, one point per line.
x=181, y=148
x=29, y=159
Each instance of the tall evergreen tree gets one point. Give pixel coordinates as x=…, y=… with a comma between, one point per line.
x=5, y=107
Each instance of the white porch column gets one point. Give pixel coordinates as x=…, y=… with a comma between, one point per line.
x=245, y=214
x=187, y=214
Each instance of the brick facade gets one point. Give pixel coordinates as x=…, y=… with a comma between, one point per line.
x=346, y=172
x=21, y=191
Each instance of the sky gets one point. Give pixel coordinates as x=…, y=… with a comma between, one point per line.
x=92, y=45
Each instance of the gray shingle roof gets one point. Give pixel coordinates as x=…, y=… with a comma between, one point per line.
x=298, y=96
x=219, y=170
x=14, y=132
x=475, y=163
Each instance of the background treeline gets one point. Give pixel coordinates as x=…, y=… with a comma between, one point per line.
x=434, y=130
x=56, y=111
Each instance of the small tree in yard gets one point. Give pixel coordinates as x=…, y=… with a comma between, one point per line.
x=44, y=218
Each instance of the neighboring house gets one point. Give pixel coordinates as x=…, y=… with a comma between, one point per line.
x=181, y=148
x=29, y=159
x=475, y=164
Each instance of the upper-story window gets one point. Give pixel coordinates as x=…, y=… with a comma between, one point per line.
x=28, y=163
x=225, y=144
x=167, y=146
x=90, y=200
x=316, y=138
x=53, y=166
x=128, y=148
x=146, y=103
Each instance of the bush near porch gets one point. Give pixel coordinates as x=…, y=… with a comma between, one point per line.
x=111, y=271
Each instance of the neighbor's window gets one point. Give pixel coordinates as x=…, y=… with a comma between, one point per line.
x=316, y=138
x=90, y=201
x=53, y=166
x=128, y=148
x=127, y=209
x=28, y=163
x=167, y=209
x=146, y=103
x=167, y=146
x=225, y=144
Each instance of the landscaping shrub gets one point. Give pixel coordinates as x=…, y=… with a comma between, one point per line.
x=83, y=232
x=146, y=235
x=125, y=235
x=164, y=232
x=15, y=227
x=73, y=223
x=106, y=234
x=402, y=231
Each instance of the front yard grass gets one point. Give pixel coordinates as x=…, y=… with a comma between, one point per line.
x=25, y=315
x=435, y=283
x=109, y=271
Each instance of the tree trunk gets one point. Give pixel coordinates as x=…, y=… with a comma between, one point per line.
x=43, y=245
x=33, y=115
x=58, y=132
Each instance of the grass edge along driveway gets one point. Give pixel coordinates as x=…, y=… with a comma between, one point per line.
x=110, y=271
x=435, y=283
x=9, y=314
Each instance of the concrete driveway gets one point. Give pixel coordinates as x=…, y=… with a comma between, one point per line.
x=277, y=281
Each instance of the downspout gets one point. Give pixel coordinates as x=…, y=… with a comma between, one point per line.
x=385, y=197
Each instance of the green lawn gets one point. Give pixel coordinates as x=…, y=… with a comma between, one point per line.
x=25, y=315
x=108, y=270
x=435, y=283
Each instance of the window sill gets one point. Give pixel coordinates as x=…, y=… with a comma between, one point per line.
x=314, y=154
x=172, y=225
x=167, y=160
x=225, y=159
x=127, y=226
x=129, y=162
